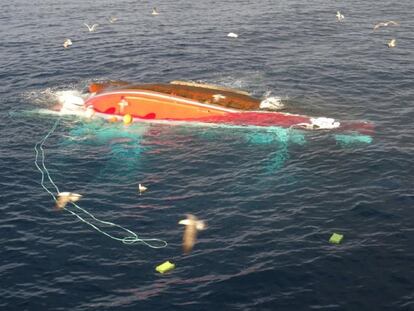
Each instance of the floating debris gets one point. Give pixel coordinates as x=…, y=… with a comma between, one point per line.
x=165, y=267
x=336, y=238
x=128, y=119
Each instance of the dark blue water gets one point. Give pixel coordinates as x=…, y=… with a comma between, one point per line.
x=271, y=199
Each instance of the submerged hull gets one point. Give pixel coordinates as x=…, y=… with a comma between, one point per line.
x=190, y=103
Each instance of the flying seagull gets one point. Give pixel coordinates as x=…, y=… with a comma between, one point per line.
x=339, y=16
x=392, y=43
x=64, y=198
x=67, y=43
x=154, y=11
x=91, y=28
x=192, y=225
x=385, y=24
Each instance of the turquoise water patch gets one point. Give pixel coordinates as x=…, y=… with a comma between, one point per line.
x=282, y=138
x=352, y=139
x=122, y=148
x=100, y=132
x=277, y=135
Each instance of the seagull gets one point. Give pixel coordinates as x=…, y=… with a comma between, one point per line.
x=218, y=97
x=64, y=198
x=113, y=19
x=91, y=28
x=232, y=35
x=339, y=16
x=67, y=43
x=154, y=11
x=392, y=43
x=141, y=188
x=192, y=225
x=385, y=24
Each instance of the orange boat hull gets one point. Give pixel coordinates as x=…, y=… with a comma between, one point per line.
x=153, y=105
x=197, y=104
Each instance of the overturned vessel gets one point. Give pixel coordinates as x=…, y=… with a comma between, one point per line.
x=180, y=101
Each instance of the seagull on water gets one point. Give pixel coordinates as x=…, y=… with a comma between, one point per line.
x=141, y=188
x=392, y=43
x=154, y=11
x=218, y=97
x=67, y=43
x=113, y=19
x=232, y=35
x=64, y=198
x=192, y=225
x=381, y=24
x=91, y=28
x=339, y=16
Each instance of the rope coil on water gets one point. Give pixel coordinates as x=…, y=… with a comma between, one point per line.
x=130, y=239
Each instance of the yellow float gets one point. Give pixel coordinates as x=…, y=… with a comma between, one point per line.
x=127, y=119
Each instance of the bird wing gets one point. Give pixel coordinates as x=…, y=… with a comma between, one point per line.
x=189, y=237
x=73, y=197
x=379, y=25
x=391, y=22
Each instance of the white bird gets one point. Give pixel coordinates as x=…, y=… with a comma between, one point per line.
x=64, y=198
x=141, y=188
x=339, y=16
x=154, y=11
x=384, y=24
x=113, y=19
x=67, y=43
x=232, y=35
x=91, y=28
x=218, y=97
x=192, y=225
x=392, y=43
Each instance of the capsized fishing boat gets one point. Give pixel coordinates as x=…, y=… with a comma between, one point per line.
x=181, y=101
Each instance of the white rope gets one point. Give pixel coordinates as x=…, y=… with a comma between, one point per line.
x=129, y=239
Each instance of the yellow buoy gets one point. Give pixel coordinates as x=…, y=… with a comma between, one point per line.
x=165, y=267
x=127, y=119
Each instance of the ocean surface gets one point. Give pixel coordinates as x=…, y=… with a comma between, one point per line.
x=271, y=198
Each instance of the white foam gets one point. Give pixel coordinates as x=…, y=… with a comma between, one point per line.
x=72, y=102
x=272, y=103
